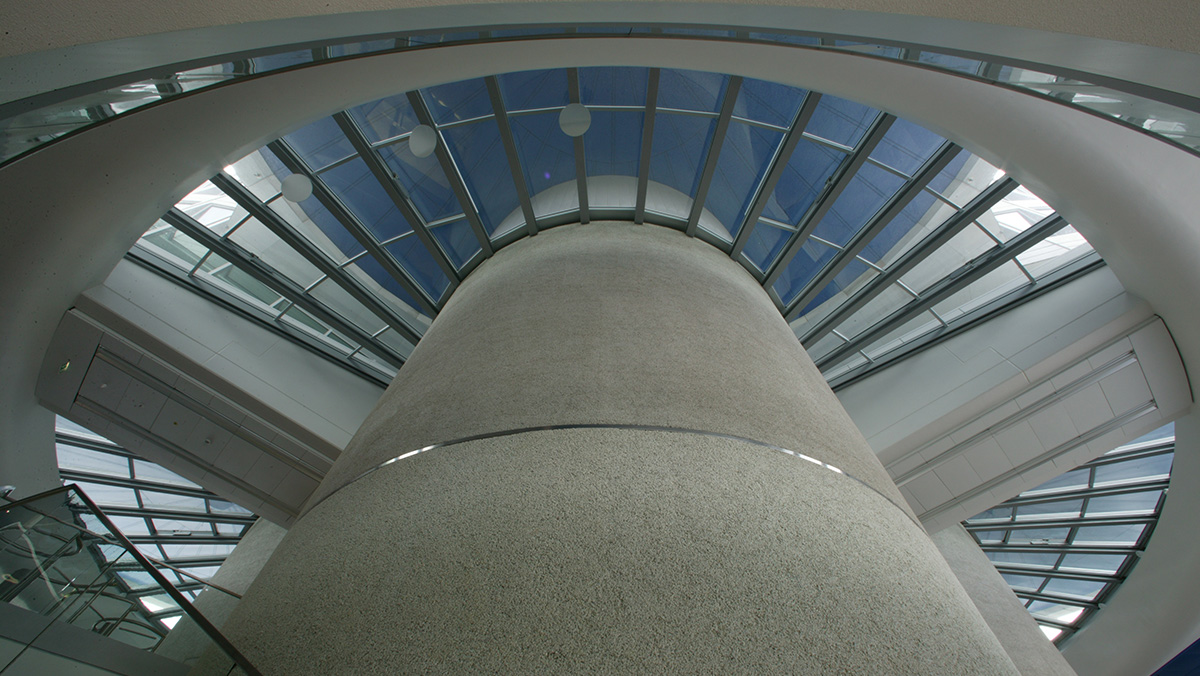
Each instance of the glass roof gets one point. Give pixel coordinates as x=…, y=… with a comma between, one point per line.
x=1065, y=546
x=167, y=517
x=873, y=235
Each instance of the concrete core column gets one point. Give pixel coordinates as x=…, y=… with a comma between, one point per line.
x=611, y=455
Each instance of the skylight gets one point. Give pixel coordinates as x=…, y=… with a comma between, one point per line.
x=1067, y=545
x=871, y=234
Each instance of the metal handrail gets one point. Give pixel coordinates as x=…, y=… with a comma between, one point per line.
x=146, y=563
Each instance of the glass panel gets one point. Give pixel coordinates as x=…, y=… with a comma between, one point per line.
x=679, y=148
x=226, y=276
x=1039, y=536
x=690, y=90
x=608, y=86
x=320, y=144
x=385, y=118
x=380, y=283
x=1024, y=559
x=418, y=262
x=1023, y=582
x=177, y=247
x=949, y=62
x=1015, y=214
x=1145, y=502
x=1073, y=480
x=906, y=146
x=743, y=162
x=481, y=159
x=463, y=100
x=805, y=265
x=86, y=460
x=964, y=246
x=768, y=102
x=924, y=213
x=909, y=331
x=313, y=221
x=534, y=89
x=865, y=195
x=996, y=513
x=355, y=185
x=149, y=471
x=256, y=173
x=1060, y=509
x=841, y=121
x=341, y=303
x=613, y=144
x=852, y=278
x=808, y=170
x=1138, y=469
x=1055, y=612
x=211, y=208
x=269, y=62
x=1054, y=252
x=991, y=286
x=457, y=240
x=1126, y=535
x=765, y=244
x=1081, y=589
x=964, y=178
x=547, y=154
x=1107, y=564
x=423, y=181
x=888, y=301
x=260, y=242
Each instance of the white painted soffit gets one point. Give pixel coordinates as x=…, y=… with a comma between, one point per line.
x=174, y=39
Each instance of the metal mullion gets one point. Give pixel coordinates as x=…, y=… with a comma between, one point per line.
x=580, y=151
x=390, y=185
x=360, y=233
x=183, y=540
x=1166, y=446
x=975, y=317
x=883, y=218
x=181, y=516
x=1083, y=577
x=1069, y=628
x=832, y=191
x=92, y=445
x=983, y=202
x=1055, y=598
x=510, y=151
x=1071, y=522
x=1157, y=484
x=75, y=475
x=639, y=211
x=185, y=563
x=714, y=153
x=1059, y=549
x=969, y=272
x=290, y=290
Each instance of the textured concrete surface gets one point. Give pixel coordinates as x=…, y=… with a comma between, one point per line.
x=610, y=551
x=1025, y=643
x=610, y=323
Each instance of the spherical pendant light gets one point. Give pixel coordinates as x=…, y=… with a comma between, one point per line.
x=297, y=188
x=423, y=141
x=575, y=119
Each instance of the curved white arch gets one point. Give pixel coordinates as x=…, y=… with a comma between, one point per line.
x=1130, y=194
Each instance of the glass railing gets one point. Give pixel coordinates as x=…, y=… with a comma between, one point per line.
x=29, y=123
x=61, y=557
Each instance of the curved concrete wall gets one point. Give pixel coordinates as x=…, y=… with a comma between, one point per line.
x=610, y=323
x=614, y=549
